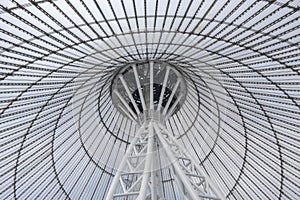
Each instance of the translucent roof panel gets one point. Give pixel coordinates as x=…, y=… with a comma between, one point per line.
x=61, y=136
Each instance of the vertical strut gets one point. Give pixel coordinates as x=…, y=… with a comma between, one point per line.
x=163, y=87
x=129, y=94
x=151, y=86
x=147, y=169
x=171, y=97
x=117, y=178
x=133, y=175
x=139, y=87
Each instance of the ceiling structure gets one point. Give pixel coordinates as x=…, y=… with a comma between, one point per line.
x=61, y=136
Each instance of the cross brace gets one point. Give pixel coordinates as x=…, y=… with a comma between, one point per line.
x=138, y=178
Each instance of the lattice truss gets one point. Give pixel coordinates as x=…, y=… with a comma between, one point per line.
x=138, y=176
x=61, y=136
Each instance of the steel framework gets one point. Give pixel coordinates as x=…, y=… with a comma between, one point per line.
x=138, y=172
x=62, y=137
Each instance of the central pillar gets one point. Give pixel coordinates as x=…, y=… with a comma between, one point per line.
x=150, y=93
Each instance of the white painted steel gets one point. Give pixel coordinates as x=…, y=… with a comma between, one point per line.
x=171, y=97
x=163, y=87
x=137, y=80
x=125, y=104
x=129, y=94
x=151, y=86
x=185, y=168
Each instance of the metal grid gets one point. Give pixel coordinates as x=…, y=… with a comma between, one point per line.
x=61, y=137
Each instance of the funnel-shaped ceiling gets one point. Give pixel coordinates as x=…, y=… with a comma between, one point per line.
x=61, y=135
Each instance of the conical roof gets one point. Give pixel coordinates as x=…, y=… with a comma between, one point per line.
x=62, y=137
